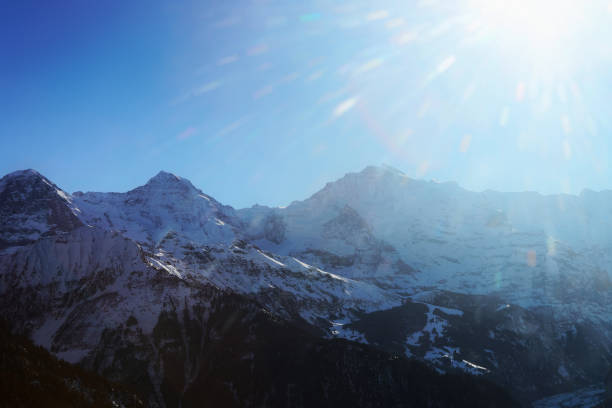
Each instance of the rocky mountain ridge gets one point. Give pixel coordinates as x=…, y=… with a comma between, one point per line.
x=125, y=283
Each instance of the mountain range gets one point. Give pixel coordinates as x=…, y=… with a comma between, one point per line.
x=378, y=290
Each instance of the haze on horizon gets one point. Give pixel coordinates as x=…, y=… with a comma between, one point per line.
x=266, y=101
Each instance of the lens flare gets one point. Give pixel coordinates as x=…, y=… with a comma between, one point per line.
x=540, y=27
x=539, y=20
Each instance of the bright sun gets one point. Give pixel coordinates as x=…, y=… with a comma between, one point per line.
x=540, y=26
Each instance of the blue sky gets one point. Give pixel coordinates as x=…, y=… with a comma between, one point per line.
x=266, y=101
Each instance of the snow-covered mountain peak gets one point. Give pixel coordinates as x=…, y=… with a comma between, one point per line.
x=167, y=179
x=29, y=186
x=169, y=183
x=377, y=190
x=165, y=204
x=23, y=173
x=22, y=178
x=376, y=172
x=369, y=241
x=392, y=169
x=32, y=206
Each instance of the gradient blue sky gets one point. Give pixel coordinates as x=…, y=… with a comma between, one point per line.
x=265, y=101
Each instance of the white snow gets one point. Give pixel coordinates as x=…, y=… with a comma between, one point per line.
x=516, y=245
x=502, y=307
x=435, y=326
x=351, y=246
x=269, y=258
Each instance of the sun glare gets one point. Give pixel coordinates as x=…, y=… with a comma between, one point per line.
x=537, y=25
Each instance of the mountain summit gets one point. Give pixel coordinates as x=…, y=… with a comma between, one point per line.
x=169, y=182
x=166, y=288
x=31, y=206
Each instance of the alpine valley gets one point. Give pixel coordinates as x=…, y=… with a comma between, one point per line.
x=378, y=291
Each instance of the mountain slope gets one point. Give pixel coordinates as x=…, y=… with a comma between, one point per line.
x=165, y=203
x=526, y=246
x=31, y=377
x=31, y=207
x=548, y=255
x=152, y=286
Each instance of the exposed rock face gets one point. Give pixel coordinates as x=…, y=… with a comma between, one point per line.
x=166, y=289
x=274, y=228
x=547, y=256
x=506, y=343
x=31, y=207
x=230, y=352
x=31, y=377
x=347, y=225
x=166, y=203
